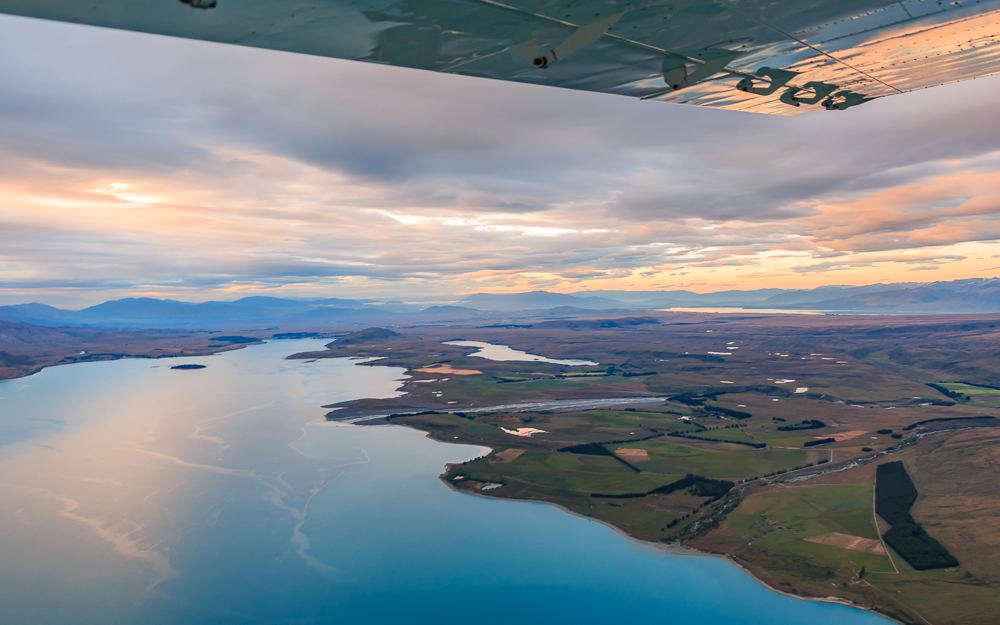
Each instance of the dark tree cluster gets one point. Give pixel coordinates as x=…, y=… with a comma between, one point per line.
x=736, y=414
x=895, y=494
x=805, y=424
x=819, y=441
x=588, y=449
x=754, y=444
x=946, y=419
x=947, y=393
x=699, y=487
x=599, y=449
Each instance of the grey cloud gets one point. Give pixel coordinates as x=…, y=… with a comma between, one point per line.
x=389, y=124
x=76, y=102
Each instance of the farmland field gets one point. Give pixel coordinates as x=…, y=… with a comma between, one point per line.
x=969, y=389
x=779, y=522
x=771, y=450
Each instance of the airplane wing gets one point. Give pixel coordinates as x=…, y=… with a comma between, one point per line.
x=781, y=57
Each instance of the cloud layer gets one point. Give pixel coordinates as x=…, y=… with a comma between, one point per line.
x=141, y=164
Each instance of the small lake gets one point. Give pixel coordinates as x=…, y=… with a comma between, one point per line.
x=133, y=493
x=502, y=352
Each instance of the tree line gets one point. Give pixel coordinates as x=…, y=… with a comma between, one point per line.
x=895, y=494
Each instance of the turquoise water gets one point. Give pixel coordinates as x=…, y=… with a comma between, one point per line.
x=132, y=493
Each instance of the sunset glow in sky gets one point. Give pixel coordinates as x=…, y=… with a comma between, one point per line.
x=142, y=165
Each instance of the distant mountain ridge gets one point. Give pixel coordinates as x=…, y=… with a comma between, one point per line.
x=919, y=299
x=535, y=300
x=149, y=313
x=974, y=295
x=666, y=299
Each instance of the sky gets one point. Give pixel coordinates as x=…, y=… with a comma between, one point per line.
x=139, y=165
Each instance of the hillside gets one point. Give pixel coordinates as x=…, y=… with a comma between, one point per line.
x=26, y=348
x=923, y=299
x=535, y=300
x=978, y=295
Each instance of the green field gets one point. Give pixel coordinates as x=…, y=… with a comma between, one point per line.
x=785, y=439
x=625, y=419
x=542, y=472
x=564, y=474
x=716, y=460
x=970, y=389
x=726, y=434
x=981, y=395
x=860, y=375
x=777, y=522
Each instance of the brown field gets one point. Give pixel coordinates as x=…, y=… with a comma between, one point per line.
x=507, y=455
x=843, y=436
x=501, y=419
x=632, y=455
x=845, y=541
x=958, y=477
x=865, y=474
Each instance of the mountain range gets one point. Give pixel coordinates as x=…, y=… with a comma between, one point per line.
x=976, y=295
x=973, y=295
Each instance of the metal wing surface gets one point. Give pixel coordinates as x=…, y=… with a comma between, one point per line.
x=781, y=57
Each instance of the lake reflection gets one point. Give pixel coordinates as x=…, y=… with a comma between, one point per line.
x=132, y=493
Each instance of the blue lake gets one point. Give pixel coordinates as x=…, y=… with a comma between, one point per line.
x=133, y=493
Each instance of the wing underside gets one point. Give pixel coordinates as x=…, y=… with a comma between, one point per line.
x=781, y=57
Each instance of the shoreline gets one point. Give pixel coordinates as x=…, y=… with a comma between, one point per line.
x=839, y=600
x=114, y=357
x=677, y=549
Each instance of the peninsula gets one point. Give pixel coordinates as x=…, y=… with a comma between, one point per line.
x=26, y=348
x=758, y=437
